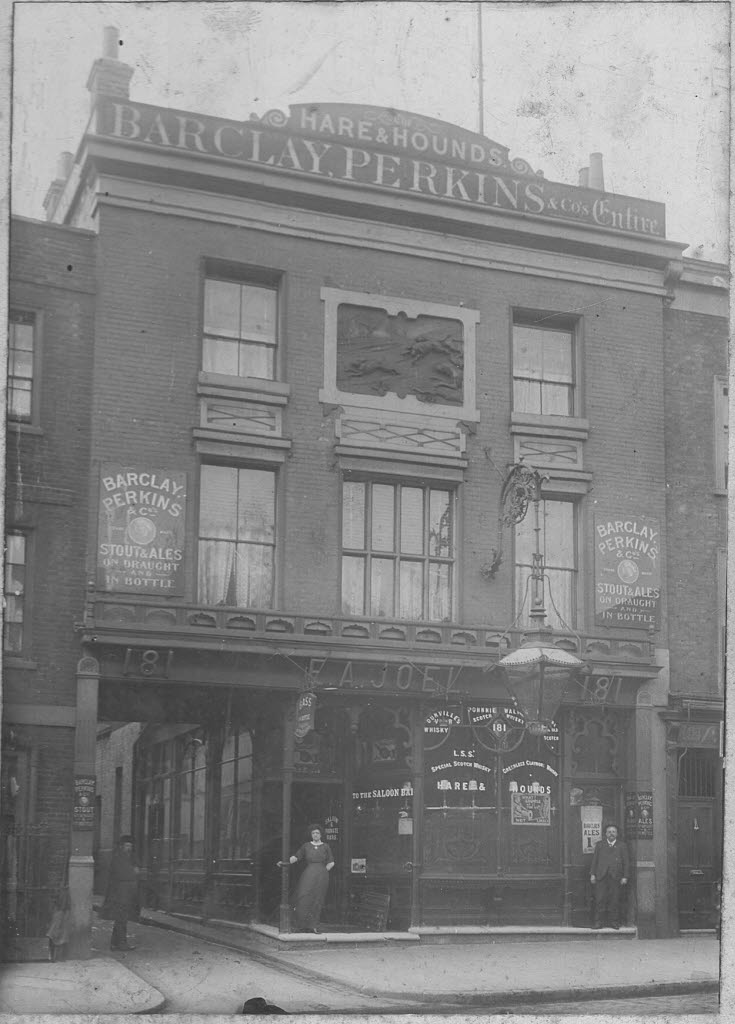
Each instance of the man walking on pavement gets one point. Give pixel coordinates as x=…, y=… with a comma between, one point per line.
x=609, y=876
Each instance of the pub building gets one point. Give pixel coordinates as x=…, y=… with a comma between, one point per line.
x=377, y=535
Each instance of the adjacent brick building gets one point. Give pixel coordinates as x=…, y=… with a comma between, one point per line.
x=51, y=334
x=379, y=411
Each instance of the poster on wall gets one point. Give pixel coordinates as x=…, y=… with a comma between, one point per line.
x=639, y=814
x=627, y=571
x=140, y=545
x=83, y=808
x=530, y=809
x=591, y=827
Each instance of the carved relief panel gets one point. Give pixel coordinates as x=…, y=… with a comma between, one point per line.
x=421, y=356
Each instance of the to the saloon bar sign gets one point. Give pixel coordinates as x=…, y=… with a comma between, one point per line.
x=141, y=530
x=374, y=146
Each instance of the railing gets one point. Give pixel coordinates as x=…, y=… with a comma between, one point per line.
x=142, y=619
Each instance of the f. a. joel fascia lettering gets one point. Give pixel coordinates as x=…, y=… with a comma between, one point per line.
x=253, y=143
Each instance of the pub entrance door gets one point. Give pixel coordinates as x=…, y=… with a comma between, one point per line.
x=319, y=802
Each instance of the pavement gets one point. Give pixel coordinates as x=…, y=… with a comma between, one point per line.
x=480, y=970
x=100, y=985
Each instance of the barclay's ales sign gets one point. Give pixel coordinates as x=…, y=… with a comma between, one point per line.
x=141, y=530
x=388, y=149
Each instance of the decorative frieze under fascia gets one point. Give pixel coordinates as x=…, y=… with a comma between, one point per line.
x=376, y=432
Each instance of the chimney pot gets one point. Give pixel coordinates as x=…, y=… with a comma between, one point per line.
x=64, y=165
x=584, y=177
x=597, y=178
x=111, y=42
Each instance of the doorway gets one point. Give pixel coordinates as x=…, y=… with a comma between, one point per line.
x=317, y=802
x=699, y=838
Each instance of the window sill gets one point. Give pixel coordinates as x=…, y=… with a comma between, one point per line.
x=251, y=446
x=25, y=428
x=221, y=385
x=12, y=661
x=549, y=426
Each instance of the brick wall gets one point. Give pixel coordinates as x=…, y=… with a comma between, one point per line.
x=696, y=352
x=52, y=272
x=149, y=319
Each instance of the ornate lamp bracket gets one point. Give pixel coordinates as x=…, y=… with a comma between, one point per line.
x=522, y=485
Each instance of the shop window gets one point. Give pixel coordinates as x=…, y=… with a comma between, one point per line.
x=236, y=783
x=236, y=536
x=240, y=328
x=543, y=369
x=721, y=433
x=22, y=351
x=14, y=638
x=191, y=787
x=557, y=545
x=398, y=550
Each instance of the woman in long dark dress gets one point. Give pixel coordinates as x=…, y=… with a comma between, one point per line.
x=311, y=890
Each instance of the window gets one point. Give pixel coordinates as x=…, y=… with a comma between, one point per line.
x=191, y=794
x=397, y=550
x=235, y=831
x=236, y=536
x=14, y=593
x=21, y=351
x=557, y=544
x=543, y=370
x=239, y=328
x=721, y=433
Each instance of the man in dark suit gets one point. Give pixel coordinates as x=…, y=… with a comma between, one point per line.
x=609, y=876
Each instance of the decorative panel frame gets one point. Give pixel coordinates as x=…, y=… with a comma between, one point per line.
x=390, y=402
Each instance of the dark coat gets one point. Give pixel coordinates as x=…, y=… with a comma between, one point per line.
x=121, y=898
x=610, y=860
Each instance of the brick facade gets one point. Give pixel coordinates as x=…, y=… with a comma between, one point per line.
x=47, y=468
x=695, y=355
x=637, y=446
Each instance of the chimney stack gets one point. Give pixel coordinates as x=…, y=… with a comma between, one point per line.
x=597, y=178
x=56, y=188
x=109, y=76
x=584, y=177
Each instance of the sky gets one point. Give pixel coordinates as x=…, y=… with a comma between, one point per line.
x=646, y=84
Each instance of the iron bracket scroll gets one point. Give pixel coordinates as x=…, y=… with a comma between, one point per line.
x=521, y=486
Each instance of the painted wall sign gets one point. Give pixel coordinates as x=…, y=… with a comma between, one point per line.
x=389, y=149
x=591, y=827
x=627, y=571
x=639, y=814
x=142, y=517
x=698, y=734
x=331, y=829
x=83, y=807
x=530, y=809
